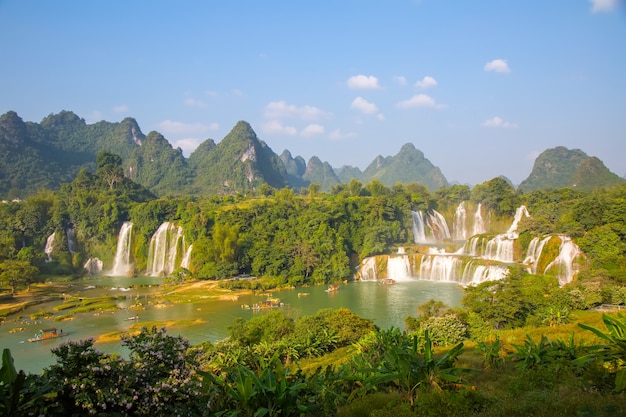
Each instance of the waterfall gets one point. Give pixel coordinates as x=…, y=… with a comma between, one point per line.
x=436, y=224
x=534, y=253
x=440, y=268
x=519, y=213
x=93, y=266
x=419, y=232
x=460, y=233
x=72, y=245
x=163, y=249
x=564, y=263
x=399, y=268
x=474, y=273
x=500, y=248
x=187, y=258
x=122, y=265
x=367, y=272
x=50, y=241
x=479, y=224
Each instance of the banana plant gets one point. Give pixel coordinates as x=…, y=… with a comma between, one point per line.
x=614, y=350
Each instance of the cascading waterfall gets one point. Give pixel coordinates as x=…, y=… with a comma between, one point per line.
x=163, y=251
x=475, y=273
x=564, y=263
x=459, y=230
x=436, y=223
x=534, y=253
x=50, y=241
x=419, y=232
x=480, y=259
x=479, y=223
x=500, y=249
x=122, y=265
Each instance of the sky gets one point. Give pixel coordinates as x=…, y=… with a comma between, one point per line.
x=480, y=87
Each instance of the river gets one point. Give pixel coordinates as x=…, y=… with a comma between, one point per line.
x=386, y=305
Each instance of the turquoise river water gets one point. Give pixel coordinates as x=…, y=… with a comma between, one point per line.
x=386, y=305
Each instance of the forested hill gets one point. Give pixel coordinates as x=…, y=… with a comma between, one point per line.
x=35, y=156
x=568, y=168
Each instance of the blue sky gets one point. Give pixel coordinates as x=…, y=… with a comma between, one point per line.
x=481, y=87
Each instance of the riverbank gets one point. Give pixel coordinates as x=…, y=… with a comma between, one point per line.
x=49, y=292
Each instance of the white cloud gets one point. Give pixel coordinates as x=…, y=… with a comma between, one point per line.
x=400, y=79
x=274, y=127
x=122, y=108
x=281, y=110
x=380, y=116
x=363, y=81
x=192, y=102
x=337, y=134
x=312, y=130
x=599, y=6
x=426, y=82
x=180, y=128
x=497, y=65
x=363, y=105
x=95, y=116
x=499, y=122
x=188, y=145
x=419, y=101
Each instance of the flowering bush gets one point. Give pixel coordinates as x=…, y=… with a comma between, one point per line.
x=159, y=375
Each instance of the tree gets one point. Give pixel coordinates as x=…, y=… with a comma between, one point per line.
x=15, y=273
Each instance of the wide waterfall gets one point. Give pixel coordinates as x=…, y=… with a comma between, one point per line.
x=165, y=247
x=122, y=266
x=481, y=258
x=50, y=242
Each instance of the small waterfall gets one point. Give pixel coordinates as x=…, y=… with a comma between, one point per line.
x=399, y=268
x=564, y=263
x=367, y=272
x=436, y=223
x=50, y=241
x=93, y=266
x=479, y=223
x=187, y=258
x=419, y=231
x=534, y=253
x=475, y=273
x=440, y=268
x=460, y=233
x=122, y=265
x=519, y=213
x=500, y=248
x=163, y=249
x=72, y=245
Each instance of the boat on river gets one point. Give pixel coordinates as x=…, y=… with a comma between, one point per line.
x=46, y=334
x=269, y=303
x=332, y=288
x=388, y=281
